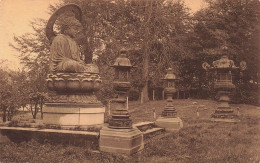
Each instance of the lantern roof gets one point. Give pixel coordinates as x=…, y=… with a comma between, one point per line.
x=170, y=75
x=224, y=62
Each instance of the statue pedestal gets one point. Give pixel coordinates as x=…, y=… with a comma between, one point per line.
x=73, y=114
x=73, y=102
x=169, y=124
x=121, y=141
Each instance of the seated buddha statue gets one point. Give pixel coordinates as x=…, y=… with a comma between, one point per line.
x=65, y=53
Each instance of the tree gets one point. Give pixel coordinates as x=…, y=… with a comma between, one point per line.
x=230, y=28
x=36, y=102
x=155, y=33
x=11, y=97
x=4, y=93
x=34, y=54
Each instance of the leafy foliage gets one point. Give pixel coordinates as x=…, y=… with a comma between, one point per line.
x=230, y=28
x=157, y=34
x=36, y=103
x=13, y=89
x=225, y=28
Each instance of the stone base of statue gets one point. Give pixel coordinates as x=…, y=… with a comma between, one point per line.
x=73, y=102
x=121, y=141
x=169, y=124
x=86, y=111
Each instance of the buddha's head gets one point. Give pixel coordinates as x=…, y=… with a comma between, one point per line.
x=71, y=27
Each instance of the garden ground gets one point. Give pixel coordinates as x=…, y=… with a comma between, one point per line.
x=200, y=140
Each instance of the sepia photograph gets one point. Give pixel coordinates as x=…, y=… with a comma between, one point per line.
x=124, y=81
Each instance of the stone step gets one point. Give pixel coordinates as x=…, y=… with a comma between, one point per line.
x=150, y=133
x=143, y=126
x=149, y=130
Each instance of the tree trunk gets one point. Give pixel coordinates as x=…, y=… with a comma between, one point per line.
x=141, y=97
x=35, y=110
x=8, y=114
x=146, y=56
x=31, y=107
x=4, y=115
x=41, y=103
x=145, y=97
x=163, y=95
x=153, y=94
x=88, y=55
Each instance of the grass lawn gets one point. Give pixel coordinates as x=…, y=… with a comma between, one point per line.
x=200, y=140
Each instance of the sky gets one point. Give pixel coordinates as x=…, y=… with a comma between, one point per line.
x=15, y=17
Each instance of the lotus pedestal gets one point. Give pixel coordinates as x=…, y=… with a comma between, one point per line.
x=72, y=102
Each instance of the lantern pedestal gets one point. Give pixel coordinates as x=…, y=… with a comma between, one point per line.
x=121, y=141
x=169, y=124
x=169, y=120
x=120, y=137
x=224, y=113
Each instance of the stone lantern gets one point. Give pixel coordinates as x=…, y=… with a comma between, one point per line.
x=120, y=136
x=169, y=119
x=225, y=69
x=120, y=116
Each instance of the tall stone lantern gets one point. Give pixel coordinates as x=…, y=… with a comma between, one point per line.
x=120, y=116
x=169, y=119
x=120, y=136
x=225, y=69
